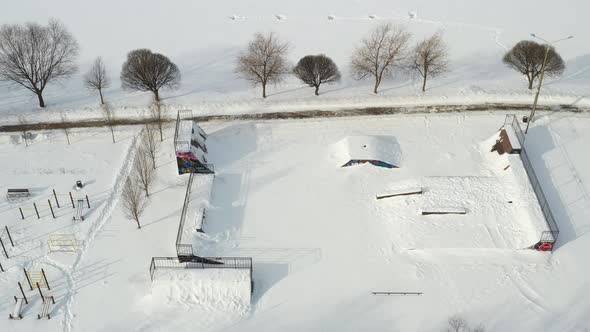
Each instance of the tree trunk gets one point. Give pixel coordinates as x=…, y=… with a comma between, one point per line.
x=138, y=225
x=40, y=97
x=101, y=99
x=263, y=90
x=377, y=82
x=112, y=132
x=531, y=84
x=157, y=95
x=317, y=90
x=424, y=84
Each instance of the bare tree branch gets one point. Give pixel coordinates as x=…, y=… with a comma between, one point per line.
x=23, y=121
x=64, y=119
x=314, y=70
x=133, y=200
x=32, y=56
x=379, y=52
x=147, y=71
x=526, y=57
x=264, y=61
x=430, y=58
x=151, y=143
x=109, y=118
x=97, y=79
x=145, y=170
x=158, y=116
x=457, y=324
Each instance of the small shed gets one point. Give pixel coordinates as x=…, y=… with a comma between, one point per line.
x=381, y=151
x=509, y=142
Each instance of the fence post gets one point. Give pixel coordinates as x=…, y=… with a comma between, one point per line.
x=3, y=248
x=45, y=278
x=51, y=208
x=55, y=196
x=9, y=237
x=23, y=292
x=36, y=211
x=28, y=280
x=87, y=201
x=21, y=213
x=72, y=199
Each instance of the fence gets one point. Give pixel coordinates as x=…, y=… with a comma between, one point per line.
x=183, y=249
x=201, y=263
x=553, y=232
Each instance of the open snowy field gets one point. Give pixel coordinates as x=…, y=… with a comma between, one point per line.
x=320, y=241
x=204, y=38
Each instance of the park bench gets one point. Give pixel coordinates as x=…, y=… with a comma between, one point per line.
x=17, y=193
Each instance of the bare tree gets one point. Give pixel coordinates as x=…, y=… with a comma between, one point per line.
x=134, y=202
x=97, y=78
x=379, y=52
x=64, y=122
x=108, y=116
x=526, y=57
x=147, y=71
x=479, y=328
x=265, y=61
x=315, y=70
x=32, y=55
x=22, y=121
x=144, y=169
x=457, y=324
x=158, y=117
x=151, y=143
x=430, y=58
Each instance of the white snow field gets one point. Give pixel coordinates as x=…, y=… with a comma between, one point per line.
x=204, y=38
x=320, y=241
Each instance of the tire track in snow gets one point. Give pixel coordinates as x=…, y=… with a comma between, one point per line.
x=95, y=228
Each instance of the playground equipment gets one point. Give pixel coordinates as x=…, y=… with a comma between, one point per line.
x=62, y=243
x=19, y=302
x=39, y=279
x=47, y=302
x=39, y=208
x=79, y=210
x=6, y=233
x=401, y=192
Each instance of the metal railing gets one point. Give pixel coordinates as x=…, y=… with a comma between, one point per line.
x=201, y=263
x=553, y=232
x=184, y=249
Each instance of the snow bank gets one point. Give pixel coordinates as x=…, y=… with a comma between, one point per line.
x=210, y=289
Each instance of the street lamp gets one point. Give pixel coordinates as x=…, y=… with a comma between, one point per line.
x=548, y=46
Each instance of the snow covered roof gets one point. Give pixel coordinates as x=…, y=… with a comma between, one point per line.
x=381, y=148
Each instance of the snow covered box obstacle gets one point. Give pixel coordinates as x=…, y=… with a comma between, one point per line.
x=381, y=151
x=189, y=145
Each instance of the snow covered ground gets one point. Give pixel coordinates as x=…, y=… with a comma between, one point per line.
x=320, y=241
x=204, y=39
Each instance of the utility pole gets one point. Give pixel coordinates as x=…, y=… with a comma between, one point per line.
x=548, y=47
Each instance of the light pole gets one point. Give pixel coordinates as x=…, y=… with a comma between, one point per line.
x=548, y=46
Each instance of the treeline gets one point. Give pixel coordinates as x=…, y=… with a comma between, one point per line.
x=32, y=56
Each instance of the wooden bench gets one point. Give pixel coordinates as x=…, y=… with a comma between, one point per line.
x=18, y=307
x=17, y=193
